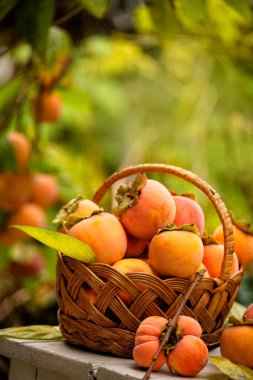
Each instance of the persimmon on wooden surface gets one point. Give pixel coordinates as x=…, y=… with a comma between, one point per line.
x=175, y=253
x=104, y=234
x=188, y=357
x=189, y=325
x=236, y=345
x=44, y=190
x=147, y=341
x=213, y=257
x=144, y=206
x=243, y=243
x=131, y=265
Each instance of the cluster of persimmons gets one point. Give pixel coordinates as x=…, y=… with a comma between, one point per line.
x=152, y=230
x=25, y=195
x=155, y=231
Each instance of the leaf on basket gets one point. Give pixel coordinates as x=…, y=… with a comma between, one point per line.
x=41, y=332
x=65, y=244
x=234, y=371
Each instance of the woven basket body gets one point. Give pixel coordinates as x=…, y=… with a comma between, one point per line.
x=109, y=325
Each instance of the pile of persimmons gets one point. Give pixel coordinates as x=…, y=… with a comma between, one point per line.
x=155, y=231
x=152, y=230
x=25, y=197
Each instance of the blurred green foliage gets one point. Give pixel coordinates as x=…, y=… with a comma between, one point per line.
x=156, y=81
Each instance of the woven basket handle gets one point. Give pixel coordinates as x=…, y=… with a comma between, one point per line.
x=202, y=185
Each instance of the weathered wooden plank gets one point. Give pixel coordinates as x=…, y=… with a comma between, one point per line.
x=133, y=372
x=20, y=370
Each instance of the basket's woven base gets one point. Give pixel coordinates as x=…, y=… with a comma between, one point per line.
x=109, y=325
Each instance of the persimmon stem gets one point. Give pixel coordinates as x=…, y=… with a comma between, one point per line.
x=199, y=275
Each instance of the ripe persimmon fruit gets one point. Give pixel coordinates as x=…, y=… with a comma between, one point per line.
x=144, y=206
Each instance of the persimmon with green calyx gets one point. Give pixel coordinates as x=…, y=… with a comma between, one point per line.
x=188, y=357
x=189, y=211
x=144, y=206
x=79, y=207
x=150, y=334
x=176, y=251
x=236, y=341
x=104, y=234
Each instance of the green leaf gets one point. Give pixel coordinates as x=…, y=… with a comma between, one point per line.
x=185, y=227
x=6, y=7
x=164, y=19
x=190, y=12
x=240, y=321
x=65, y=244
x=7, y=155
x=242, y=7
x=8, y=95
x=41, y=332
x=34, y=19
x=143, y=20
x=234, y=371
x=96, y=7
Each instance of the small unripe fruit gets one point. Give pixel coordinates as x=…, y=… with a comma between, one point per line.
x=47, y=107
x=21, y=146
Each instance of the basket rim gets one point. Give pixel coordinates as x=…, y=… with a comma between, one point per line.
x=201, y=184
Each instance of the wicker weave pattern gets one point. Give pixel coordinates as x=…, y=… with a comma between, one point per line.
x=109, y=324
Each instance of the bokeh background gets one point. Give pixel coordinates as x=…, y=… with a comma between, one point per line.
x=99, y=85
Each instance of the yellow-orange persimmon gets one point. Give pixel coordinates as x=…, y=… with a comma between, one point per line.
x=243, y=243
x=131, y=265
x=236, y=345
x=213, y=257
x=176, y=253
x=104, y=234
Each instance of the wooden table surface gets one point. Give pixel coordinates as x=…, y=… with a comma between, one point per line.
x=57, y=360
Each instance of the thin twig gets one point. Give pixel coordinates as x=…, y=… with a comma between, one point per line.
x=173, y=322
x=68, y=16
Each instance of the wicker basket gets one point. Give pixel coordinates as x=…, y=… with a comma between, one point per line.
x=109, y=325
